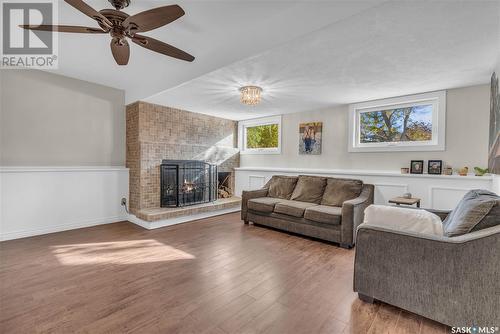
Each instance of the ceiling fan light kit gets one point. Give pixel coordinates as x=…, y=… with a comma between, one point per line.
x=250, y=95
x=121, y=26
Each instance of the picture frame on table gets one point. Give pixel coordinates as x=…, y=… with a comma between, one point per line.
x=417, y=167
x=435, y=167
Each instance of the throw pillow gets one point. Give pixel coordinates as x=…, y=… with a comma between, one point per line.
x=309, y=189
x=281, y=186
x=338, y=191
x=403, y=219
x=470, y=212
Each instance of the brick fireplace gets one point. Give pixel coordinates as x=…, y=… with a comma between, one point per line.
x=156, y=133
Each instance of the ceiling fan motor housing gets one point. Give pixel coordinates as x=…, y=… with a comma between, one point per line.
x=119, y=4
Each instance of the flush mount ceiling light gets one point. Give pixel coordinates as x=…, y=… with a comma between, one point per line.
x=250, y=95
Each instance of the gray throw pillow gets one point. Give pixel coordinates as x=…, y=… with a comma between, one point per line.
x=472, y=209
x=309, y=189
x=281, y=186
x=338, y=191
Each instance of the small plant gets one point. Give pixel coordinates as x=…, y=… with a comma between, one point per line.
x=480, y=171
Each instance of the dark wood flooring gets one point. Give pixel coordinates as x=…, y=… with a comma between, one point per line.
x=214, y=275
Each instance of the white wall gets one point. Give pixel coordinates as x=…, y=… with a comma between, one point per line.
x=69, y=127
x=467, y=124
x=52, y=120
x=37, y=200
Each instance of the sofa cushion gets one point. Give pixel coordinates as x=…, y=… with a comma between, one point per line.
x=281, y=186
x=292, y=208
x=324, y=214
x=472, y=209
x=338, y=191
x=263, y=204
x=309, y=189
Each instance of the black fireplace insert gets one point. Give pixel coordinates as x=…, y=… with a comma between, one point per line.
x=187, y=182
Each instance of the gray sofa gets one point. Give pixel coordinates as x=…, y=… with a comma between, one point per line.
x=321, y=207
x=454, y=280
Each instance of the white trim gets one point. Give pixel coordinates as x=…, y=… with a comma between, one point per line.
x=360, y=172
x=31, y=169
x=438, y=101
x=60, y=228
x=393, y=185
x=179, y=220
x=242, y=125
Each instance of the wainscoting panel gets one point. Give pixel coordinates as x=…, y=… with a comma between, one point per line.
x=256, y=182
x=385, y=191
x=435, y=191
x=445, y=197
x=37, y=200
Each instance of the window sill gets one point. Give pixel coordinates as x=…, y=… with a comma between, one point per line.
x=244, y=152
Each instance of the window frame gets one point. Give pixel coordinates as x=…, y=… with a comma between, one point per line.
x=242, y=135
x=437, y=143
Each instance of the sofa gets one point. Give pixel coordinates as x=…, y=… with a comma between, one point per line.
x=451, y=278
x=325, y=208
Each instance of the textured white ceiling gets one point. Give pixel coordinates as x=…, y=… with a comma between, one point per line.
x=392, y=49
x=305, y=54
x=217, y=33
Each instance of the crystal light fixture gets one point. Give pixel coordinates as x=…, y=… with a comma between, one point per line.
x=250, y=95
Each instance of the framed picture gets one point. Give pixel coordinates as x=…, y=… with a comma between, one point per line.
x=417, y=167
x=435, y=166
x=310, y=138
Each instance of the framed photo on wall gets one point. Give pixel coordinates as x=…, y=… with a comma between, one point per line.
x=435, y=167
x=417, y=167
x=310, y=138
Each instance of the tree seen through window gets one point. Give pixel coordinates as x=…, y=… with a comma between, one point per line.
x=397, y=125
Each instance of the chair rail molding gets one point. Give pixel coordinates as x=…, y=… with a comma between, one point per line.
x=435, y=191
x=41, y=200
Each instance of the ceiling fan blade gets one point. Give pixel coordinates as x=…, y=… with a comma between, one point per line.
x=90, y=12
x=76, y=29
x=153, y=18
x=164, y=48
x=120, y=50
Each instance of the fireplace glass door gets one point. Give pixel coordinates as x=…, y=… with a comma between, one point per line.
x=187, y=182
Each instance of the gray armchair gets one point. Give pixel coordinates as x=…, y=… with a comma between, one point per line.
x=453, y=280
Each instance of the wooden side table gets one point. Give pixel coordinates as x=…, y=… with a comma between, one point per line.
x=405, y=201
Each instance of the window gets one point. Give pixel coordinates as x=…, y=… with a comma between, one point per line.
x=409, y=123
x=260, y=136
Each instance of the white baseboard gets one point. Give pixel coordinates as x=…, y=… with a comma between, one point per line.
x=60, y=228
x=179, y=220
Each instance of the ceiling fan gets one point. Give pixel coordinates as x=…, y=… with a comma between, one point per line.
x=122, y=26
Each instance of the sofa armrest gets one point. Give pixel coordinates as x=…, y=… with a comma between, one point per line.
x=353, y=213
x=249, y=194
x=442, y=278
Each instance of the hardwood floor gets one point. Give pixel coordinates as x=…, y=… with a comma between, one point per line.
x=214, y=275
